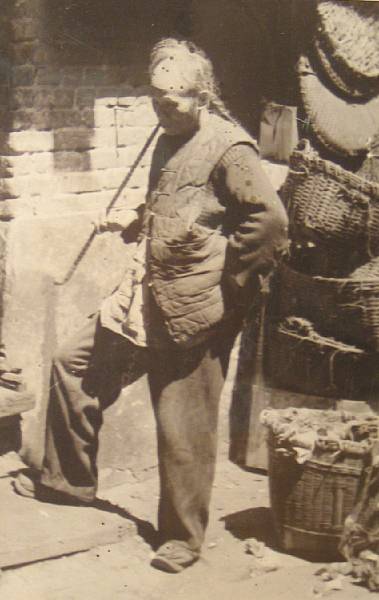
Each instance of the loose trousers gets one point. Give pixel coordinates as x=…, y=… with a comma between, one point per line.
x=87, y=375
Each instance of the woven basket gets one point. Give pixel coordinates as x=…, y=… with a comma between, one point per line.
x=345, y=309
x=300, y=360
x=331, y=205
x=351, y=31
x=310, y=502
x=341, y=126
x=354, y=89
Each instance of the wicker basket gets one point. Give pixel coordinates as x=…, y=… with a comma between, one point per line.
x=347, y=86
x=341, y=125
x=351, y=32
x=300, y=360
x=310, y=502
x=331, y=205
x=345, y=309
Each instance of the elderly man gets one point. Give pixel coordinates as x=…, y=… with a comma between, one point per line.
x=211, y=224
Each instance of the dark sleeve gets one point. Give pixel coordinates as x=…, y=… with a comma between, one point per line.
x=256, y=221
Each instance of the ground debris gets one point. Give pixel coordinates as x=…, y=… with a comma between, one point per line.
x=255, y=548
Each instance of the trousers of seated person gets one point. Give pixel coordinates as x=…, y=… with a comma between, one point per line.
x=87, y=375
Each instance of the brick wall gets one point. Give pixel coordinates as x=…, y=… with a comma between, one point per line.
x=64, y=149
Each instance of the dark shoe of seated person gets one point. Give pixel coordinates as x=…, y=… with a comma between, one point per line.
x=174, y=556
x=27, y=484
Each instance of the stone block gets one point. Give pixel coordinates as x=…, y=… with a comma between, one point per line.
x=85, y=96
x=63, y=98
x=24, y=53
x=73, y=139
x=129, y=136
x=23, y=75
x=102, y=158
x=21, y=97
x=25, y=164
x=49, y=76
x=104, y=116
x=43, y=97
x=72, y=161
x=103, y=137
x=25, y=29
x=90, y=181
x=29, y=141
x=65, y=118
x=72, y=76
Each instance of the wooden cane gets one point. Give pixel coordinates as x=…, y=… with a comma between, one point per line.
x=125, y=181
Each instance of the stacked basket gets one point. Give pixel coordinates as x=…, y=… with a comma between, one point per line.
x=324, y=339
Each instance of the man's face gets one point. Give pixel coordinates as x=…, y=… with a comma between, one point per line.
x=178, y=114
x=174, y=101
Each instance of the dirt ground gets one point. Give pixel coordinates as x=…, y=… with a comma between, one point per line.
x=239, y=512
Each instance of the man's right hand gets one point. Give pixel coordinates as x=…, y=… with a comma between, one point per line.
x=117, y=219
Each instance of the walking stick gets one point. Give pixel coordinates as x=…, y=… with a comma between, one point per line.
x=126, y=179
x=256, y=451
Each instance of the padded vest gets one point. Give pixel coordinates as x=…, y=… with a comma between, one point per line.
x=183, y=224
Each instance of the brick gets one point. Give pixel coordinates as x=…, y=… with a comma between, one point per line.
x=21, y=119
x=112, y=93
x=103, y=137
x=104, y=117
x=25, y=29
x=132, y=135
x=102, y=158
x=43, y=98
x=72, y=76
x=4, y=95
x=23, y=75
x=24, y=53
x=30, y=141
x=5, y=69
x=48, y=76
x=38, y=162
x=101, y=76
x=21, y=98
x=87, y=118
x=72, y=161
x=73, y=139
x=85, y=97
x=61, y=119
x=33, y=185
x=63, y=98
x=79, y=182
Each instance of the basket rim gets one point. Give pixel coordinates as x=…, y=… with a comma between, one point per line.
x=343, y=281
x=323, y=342
x=305, y=153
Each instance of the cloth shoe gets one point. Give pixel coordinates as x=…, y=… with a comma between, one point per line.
x=174, y=556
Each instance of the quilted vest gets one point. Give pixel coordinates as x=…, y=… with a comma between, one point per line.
x=183, y=223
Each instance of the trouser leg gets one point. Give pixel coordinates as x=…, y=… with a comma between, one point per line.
x=86, y=377
x=185, y=387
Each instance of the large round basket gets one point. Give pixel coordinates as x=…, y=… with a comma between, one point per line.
x=300, y=360
x=331, y=205
x=345, y=309
x=342, y=126
x=350, y=31
x=310, y=502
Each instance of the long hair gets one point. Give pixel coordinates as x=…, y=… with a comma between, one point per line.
x=205, y=78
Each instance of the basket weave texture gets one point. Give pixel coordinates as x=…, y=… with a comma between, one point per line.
x=350, y=87
x=345, y=309
x=300, y=360
x=341, y=126
x=351, y=31
x=331, y=205
x=314, y=498
x=317, y=462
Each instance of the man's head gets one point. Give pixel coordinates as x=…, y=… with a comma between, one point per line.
x=182, y=84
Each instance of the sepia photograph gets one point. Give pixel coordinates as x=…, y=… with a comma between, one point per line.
x=189, y=306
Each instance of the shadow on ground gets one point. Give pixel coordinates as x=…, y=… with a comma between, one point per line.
x=252, y=523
